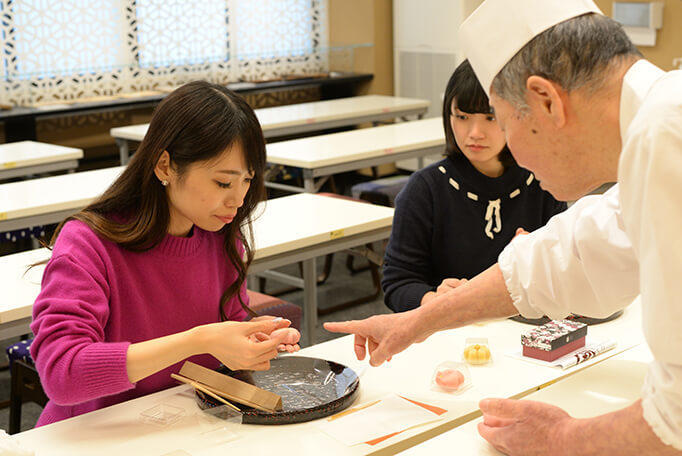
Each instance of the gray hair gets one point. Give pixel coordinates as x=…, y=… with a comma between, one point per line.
x=574, y=53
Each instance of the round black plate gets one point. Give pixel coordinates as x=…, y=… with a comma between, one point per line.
x=572, y=317
x=310, y=388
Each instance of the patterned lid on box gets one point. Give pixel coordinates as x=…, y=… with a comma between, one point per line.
x=542, y=337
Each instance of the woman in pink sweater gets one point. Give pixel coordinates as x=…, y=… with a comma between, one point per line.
x=153, y=272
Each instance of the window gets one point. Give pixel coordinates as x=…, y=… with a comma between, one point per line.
x=57, y=50
x=273, y=28
x=181, y=32
x=54, y=37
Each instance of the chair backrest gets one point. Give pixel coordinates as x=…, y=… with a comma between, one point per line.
x=264, y=304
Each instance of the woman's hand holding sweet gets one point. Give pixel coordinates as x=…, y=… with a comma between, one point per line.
x=291, y=339
x=243, y=345
x=291, y=336
x=290, y=342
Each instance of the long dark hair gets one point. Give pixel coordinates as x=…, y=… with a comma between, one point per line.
x=468, y=95
x=196, y=122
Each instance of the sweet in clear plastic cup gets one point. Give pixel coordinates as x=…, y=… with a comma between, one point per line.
x=476, y=351
x=451, y=377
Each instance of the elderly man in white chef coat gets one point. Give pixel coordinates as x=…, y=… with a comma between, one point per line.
x=579, y=107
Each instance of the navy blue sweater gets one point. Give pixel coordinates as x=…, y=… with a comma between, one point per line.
x=447, y=224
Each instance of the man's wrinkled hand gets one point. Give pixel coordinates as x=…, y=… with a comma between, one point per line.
x=382, y=336
x=525, y=428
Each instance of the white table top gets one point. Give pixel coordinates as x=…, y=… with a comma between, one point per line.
x=341, y=108
x=117, y=429
x=297, y=221
x=286, y=224
x=20, y=286
x=53, y=194
x=612, y=385
x=336, y=148
x=30, y=153
x=309, y=113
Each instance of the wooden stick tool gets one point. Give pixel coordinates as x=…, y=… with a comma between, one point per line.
x=206, y=390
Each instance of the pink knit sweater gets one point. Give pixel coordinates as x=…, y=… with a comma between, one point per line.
x=97, y=298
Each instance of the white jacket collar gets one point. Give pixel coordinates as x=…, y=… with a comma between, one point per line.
x=636, y=84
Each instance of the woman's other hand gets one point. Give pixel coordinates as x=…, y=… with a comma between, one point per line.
x=244, y=345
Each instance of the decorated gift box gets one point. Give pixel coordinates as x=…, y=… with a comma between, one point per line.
x=554, y=339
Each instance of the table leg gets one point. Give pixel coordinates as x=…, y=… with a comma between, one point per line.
x=123, y=151
x=309, y=325
x=308, y=181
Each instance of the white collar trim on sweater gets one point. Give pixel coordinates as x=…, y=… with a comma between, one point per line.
x=493, y=211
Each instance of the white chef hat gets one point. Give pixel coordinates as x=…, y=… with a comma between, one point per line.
x=498, y=29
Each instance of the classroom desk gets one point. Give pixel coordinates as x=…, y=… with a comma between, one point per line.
x=51, y=199
x=306, y=117
x=612, y=385
x=29, y=157
x=19, y=287
x=118, y=430
x=322, y=156
x=288, y=230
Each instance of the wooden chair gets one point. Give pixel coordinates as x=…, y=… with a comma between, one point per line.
x=25, y=382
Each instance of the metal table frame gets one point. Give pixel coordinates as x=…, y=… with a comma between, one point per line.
x=21, y=171
x=35, y=220
x=15, y=328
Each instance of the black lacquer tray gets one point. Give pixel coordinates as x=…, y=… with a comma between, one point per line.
x=310, y=388
x=572, y=317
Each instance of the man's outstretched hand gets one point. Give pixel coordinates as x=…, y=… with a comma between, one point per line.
x=381, y=335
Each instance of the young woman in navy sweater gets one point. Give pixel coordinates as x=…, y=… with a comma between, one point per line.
x=453, y=218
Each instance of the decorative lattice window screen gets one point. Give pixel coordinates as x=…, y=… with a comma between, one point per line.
x=59, y=50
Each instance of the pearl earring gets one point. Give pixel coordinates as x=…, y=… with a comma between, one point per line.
x=164, y=183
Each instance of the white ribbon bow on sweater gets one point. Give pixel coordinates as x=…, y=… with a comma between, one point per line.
x=493, y=210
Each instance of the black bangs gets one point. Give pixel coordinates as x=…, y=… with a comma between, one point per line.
x=466, y=91
x=471, y=98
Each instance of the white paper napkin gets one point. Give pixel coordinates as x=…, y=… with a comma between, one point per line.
x=389, y=415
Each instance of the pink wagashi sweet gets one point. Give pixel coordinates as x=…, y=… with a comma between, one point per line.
x=290, y=335
x=290, y=338
x=449, y=378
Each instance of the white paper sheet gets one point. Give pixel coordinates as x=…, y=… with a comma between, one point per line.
x=391, y=414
